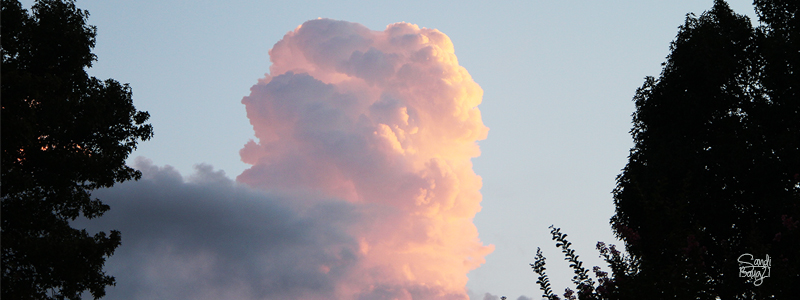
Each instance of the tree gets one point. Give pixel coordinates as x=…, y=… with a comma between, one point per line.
x=713, y=173
x=64, y=134
x=715, y=169
x=614, y=286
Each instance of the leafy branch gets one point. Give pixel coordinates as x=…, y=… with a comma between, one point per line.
x=543, y=281
x=585, y=287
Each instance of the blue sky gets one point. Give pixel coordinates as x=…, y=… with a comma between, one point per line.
x=558, y=79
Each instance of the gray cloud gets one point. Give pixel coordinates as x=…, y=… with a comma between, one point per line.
x=489, y=296
x=206, y=237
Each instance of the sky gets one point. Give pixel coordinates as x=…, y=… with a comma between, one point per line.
x=522, y=110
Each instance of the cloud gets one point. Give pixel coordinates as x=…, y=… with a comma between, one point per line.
x=206, y=237
x=473, y=295
x=361, y=184
x=381, y=119
x=488, y=296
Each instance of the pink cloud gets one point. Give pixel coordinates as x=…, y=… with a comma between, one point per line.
x=386, y=120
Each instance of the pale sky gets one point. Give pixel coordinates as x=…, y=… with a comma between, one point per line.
x=558, y=78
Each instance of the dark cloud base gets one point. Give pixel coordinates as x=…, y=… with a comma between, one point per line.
x=208, y=237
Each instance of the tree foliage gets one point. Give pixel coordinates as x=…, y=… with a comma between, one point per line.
x=715, y=170
x=606, y=287
x=64, y=134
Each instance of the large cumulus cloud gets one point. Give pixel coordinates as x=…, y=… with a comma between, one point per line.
x=386, y=118
x=361, y=184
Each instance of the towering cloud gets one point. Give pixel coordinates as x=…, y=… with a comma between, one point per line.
x=387, y=121
x=361, y=185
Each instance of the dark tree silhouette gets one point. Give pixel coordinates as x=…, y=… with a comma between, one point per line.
x=715, y=170
x=607, y=287
x=712, y=173
x=64, y=134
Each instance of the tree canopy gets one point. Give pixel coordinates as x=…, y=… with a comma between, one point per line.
x=64, y=134
x=715, y=169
